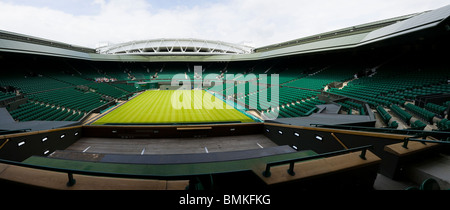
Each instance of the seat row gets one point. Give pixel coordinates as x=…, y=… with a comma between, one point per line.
x=69, y=98
x=319, y=80
x=285, y=96
x=444, y=125
x=33, y=84
x=370, y=98
x=106, y=89
x=350, y=105
x=300, y=109
x=8, y=95
x=35, y=111
x=423, y=113
x=386, y=117
x=405, y=116
x=435, y=108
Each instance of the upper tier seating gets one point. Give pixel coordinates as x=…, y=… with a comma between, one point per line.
x=37, y=111
x=70, y=98
x=4, y=96
x=32, y=84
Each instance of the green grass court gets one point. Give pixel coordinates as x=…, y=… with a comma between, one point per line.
x=155, y=107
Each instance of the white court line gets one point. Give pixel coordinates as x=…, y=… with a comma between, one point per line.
x=143, y=150
x=259, y=145
x=206, y=150
x=86, y=149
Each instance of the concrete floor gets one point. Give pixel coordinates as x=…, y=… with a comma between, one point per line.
x=384, y=183
x=171, y=146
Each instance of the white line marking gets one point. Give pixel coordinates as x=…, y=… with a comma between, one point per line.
x=206, y=150
x=143, y=150
x=259, y=145
x=86, y=149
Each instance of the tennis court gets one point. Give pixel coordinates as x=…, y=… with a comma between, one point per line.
x=156, y=107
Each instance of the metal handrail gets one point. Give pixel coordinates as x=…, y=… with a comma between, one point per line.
x=423, y=141
x=14, y=131
x=415, y=133
x=266, y=173
x=70, y=172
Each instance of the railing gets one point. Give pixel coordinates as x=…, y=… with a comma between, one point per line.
x=14, y=131
x=423, y=141
x=415, y=133
x=71, y=181
x=292, y=162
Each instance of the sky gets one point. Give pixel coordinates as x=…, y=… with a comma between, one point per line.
x=256, y=23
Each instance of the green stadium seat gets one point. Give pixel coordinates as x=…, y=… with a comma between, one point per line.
x=405, y=116
x=435, y=108
x=423, y=113
x=418, y=125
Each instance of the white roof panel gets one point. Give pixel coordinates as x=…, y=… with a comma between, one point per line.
x=422, y=21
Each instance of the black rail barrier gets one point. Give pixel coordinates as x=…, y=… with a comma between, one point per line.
x=292, y=162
